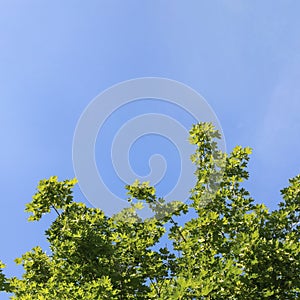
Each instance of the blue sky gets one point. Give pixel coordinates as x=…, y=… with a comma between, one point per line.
x=56, y=56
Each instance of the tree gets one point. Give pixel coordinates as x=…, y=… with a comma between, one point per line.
x=231, y=248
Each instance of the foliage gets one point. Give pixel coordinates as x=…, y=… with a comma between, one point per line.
x=231, y=248
x=3, y=281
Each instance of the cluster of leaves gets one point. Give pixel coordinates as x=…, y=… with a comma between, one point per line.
x=231, y=248
x=4, y=286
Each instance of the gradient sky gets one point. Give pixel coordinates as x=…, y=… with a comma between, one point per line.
x=56, y=56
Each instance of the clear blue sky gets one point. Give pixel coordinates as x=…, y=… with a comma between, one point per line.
x=55, y=56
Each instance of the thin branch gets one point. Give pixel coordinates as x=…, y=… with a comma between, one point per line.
x=155, y=287
x=177, y=228
x=55, y=210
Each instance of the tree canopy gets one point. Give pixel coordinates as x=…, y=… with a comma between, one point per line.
x=229, y=248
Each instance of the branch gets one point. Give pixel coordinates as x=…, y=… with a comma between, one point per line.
x=55, y=210
x=177, y=228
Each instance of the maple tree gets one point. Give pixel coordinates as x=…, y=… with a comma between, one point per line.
x=231, y=247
